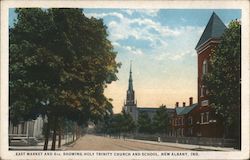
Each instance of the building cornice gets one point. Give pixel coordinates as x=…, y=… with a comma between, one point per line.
x=207, y=44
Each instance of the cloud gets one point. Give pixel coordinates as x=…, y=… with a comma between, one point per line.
x=178, y=56
x=133, y=50
x=102, y=15
x=143, y=12
x=128, y=49
x=116, y=44
x=139, y=28
x=173, y=56
x=164, y=42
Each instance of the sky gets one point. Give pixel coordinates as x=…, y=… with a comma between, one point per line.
x=160, y=43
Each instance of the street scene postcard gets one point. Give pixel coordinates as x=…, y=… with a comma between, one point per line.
x=125, y=81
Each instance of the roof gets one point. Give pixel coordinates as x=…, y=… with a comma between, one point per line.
x=214, y=29
x=185, y=110
x=152, y=109
x=147, y=109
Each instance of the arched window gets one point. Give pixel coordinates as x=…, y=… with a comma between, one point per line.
x=204, y=67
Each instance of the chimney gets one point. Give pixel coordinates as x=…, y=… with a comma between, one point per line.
x=184, y=104
x=177, y=104
x=190, y=101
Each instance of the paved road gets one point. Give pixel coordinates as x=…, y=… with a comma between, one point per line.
x=98, y=143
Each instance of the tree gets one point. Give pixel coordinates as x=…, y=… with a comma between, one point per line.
x=128, y=123
x=60, y=63
x=144, y=123
x=224, y=79
x=117, y=124
x=161, y=120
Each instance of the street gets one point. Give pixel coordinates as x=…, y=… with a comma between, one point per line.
x=98, y=143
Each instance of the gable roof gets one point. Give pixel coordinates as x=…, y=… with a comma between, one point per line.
x=185, y=110
x=214, y=29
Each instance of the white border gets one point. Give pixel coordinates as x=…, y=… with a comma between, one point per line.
x=223, y=4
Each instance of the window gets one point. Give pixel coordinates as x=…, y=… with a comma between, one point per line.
x=190, y=120
x=202, y=91
x=130, y=108
x=190, y=131
x=207, y=117
x=204, y=67
x=202, y=117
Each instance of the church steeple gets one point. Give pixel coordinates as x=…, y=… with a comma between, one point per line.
x=130, y=101
x=130, y=84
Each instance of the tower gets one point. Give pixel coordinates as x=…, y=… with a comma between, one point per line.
x=130, y=105
x=209, y=40
x=130, y=100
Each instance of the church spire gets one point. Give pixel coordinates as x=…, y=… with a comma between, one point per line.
x=130, y=84
x=130, y=101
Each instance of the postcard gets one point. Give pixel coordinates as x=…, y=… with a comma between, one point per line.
x=124, y=80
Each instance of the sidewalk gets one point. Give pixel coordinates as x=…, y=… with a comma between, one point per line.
x=38, y=147
x=185, y=146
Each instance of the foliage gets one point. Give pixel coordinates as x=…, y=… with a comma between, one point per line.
x=117, y=124
x=224, y=78
x=144, y=123
x=60, y=62
x=161, y=120
x=128, y=123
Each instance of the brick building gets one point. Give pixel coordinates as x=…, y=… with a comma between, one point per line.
x=207, y=124
x=199, y=119
x=183, y=122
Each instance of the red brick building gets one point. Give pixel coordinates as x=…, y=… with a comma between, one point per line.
x=200, y=120
x=183, y=122
x=207, y=124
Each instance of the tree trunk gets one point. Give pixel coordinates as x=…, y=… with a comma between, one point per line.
x=53, y=147
x=60, y=137
x=47, y=133
x=77, y=131
x=73, y=133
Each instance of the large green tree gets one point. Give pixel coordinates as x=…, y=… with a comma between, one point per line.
x=224, y=79
x=161, y=120
x=144, y=123
x=60, y=63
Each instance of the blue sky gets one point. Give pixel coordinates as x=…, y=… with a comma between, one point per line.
x=160, y=43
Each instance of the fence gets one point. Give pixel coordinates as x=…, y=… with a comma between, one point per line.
x=218, y=142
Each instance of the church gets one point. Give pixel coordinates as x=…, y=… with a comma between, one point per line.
x=130, y=104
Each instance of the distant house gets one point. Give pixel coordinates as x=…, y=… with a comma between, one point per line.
x=183, y=121
x=208, y=124
x=32, y=128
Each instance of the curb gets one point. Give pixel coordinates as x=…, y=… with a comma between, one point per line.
x=185, y=146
